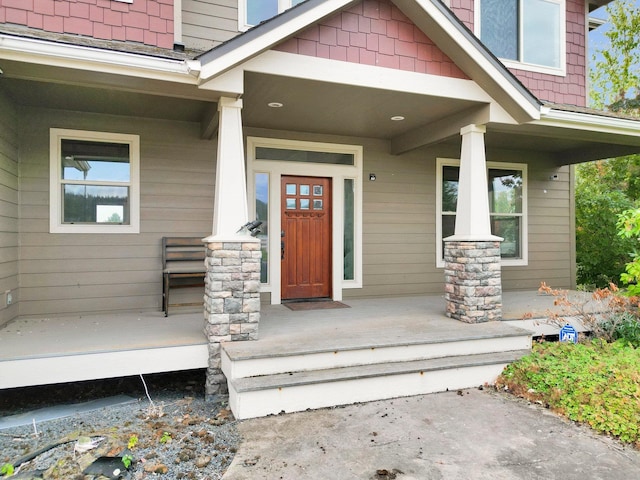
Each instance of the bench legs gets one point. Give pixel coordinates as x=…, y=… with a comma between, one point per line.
x=165, y=294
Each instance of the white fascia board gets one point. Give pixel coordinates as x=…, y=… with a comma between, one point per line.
x=588, y=122
x=270, y=38
x=347, y=73
x=531, y=110
x=95, y=59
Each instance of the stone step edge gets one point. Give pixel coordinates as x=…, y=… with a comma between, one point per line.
x=357, y=372
x=228, y=347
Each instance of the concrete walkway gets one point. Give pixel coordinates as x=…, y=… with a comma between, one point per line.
x=470, y=434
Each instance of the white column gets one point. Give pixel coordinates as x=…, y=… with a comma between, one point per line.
x=230, y=205
x=472, y=211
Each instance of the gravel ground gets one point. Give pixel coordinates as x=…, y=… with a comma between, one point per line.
x=182, y=437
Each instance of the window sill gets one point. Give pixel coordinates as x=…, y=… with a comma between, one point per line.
x=101, y=229
x=558, y=72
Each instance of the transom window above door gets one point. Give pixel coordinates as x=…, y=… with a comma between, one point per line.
x=525, y=34
x=253, y=12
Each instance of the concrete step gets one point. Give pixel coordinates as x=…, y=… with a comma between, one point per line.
x=302, y=390
x=240, y=361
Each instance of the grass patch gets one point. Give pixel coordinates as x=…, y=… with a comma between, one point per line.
x=596, y=382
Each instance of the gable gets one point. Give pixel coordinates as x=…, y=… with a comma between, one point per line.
x=373, y=32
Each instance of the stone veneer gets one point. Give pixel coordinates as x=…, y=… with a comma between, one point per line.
x=231, y=301
x=473, y=284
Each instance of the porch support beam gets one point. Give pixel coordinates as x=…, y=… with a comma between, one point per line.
x=209, y=123
x=439, y=130
x=473, y=284
x=230, y=210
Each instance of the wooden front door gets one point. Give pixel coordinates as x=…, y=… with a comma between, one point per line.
x=306, y=237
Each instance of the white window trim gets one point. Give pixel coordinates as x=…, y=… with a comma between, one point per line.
x=124, y=1
x=507, y=262
x=338, y=173
x=243, y=25
x=56, y=135
x=530, y=67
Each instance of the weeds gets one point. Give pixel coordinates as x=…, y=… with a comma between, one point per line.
x=597, y=383
x=605, y=313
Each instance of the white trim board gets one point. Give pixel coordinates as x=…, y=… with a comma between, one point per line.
x=338, y=173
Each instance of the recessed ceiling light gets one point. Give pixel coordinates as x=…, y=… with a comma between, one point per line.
x=275, y=104
x=397, y=118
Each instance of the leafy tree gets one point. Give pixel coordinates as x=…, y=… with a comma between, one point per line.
x=605, y=189
x=615, y=73
x=600, y=253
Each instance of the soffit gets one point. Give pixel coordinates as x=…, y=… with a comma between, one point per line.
x=320, y=107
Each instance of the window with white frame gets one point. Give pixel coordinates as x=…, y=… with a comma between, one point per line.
x=94, y=182
x=507, y=186
x=530, y=32
x=253, y=12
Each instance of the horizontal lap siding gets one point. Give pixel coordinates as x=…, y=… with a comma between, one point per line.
x=8, y=207
x=84, y=273
x=551, y=233
x=398, y=225
x=207, y=23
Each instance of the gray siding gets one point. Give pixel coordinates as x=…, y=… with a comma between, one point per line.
x=399, y=220
x=76, y=273
x=8, y=208
x=207, y=23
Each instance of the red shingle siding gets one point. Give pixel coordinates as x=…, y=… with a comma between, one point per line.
x=570, y=89
x=374, y=32
x=143, y=21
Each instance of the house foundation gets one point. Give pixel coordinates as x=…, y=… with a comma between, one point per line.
x=231, y=301
x=473, y=281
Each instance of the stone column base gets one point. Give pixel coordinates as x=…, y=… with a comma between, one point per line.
x=231, y=301
x=473, y=282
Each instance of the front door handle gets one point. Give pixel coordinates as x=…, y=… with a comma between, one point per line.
x=282, y=250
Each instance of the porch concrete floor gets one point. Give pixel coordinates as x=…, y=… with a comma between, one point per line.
x=367, y=319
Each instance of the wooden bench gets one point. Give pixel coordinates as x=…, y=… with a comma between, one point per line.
x=182, y=266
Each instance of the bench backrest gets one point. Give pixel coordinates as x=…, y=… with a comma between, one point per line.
x=182, y=249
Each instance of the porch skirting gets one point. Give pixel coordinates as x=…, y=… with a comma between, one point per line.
x=473, y=281
x=231, y=301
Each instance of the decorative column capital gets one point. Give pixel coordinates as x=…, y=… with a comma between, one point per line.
x=473, y=128
x=228, y=102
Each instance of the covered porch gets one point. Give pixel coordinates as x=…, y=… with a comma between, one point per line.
x=44, y=350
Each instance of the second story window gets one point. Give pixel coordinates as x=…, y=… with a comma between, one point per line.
x=530, y=32
x=253, y=12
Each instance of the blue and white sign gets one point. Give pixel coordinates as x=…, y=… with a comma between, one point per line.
x=568, y=334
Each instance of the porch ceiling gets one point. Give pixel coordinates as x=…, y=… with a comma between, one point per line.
x=99, y=100
x=339, y=109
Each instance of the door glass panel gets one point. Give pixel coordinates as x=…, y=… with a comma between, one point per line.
x=291, y=203
x=349, y=229
x=304, y=204
x=317, y=204
x=262, y=213
x=291, y=189
x=304, y=189
x=317, y=190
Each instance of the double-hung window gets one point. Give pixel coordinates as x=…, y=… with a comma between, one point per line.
x=253, y=12
x=94, y=182
x=527, y=34
x=507, y=187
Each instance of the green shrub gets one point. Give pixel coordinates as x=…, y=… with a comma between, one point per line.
x=597, y=383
